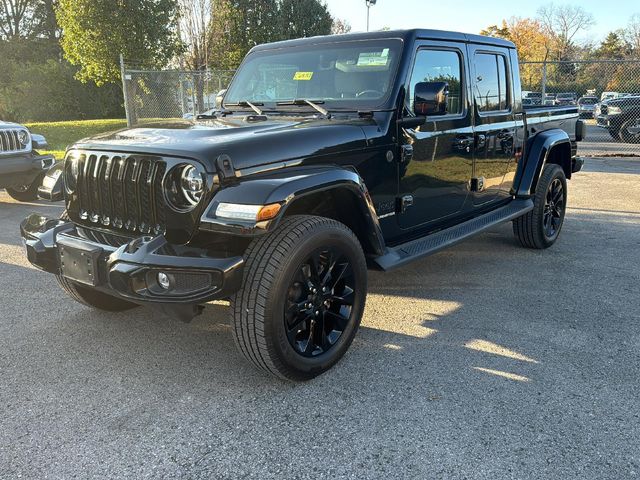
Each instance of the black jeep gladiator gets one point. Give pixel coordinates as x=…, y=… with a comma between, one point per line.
x=328, y=156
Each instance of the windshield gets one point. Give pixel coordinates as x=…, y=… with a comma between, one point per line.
x=350, y=75
x=588, y=101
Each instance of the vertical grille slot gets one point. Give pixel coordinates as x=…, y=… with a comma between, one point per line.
x=122, y=192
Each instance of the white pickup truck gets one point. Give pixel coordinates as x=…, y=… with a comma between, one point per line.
x=21, y=167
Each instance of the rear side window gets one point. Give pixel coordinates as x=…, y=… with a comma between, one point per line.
x=439, y=66
x=492, y=88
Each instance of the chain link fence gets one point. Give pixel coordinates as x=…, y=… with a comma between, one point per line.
x=606, y=92
x=612, y=130
x=155, y=95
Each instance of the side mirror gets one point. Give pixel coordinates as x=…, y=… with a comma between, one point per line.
x=38, y=141
x=430, y=98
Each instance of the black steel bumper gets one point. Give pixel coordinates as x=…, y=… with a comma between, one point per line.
x=131, y=270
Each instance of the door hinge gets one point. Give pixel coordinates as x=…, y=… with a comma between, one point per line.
x=404, y=202
x=406, y=153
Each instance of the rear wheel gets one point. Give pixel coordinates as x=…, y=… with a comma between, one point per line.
x=630, y=131
x=541, y=227
x=302, y=298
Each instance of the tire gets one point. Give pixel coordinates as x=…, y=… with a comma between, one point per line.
x=630, y=137
x=541, y=227
x=302, y=342
x=90, y=297
x=26, y=193
x=93, y=298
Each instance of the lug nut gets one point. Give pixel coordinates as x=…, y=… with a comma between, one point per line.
x=317, y=312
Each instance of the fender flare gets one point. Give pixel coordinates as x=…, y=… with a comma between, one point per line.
x=537, y=152
x=52, y=186
x=286, y=187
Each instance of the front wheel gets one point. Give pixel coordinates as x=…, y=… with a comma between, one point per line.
x=541, y=227
x=630, y=131
x=302, y=297
x=26, y=193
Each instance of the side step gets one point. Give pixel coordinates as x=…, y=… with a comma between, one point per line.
x=407, y=252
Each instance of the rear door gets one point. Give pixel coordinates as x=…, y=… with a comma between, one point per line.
x=495, y=124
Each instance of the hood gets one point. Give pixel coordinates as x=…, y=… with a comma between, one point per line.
x=10, y=125
x=248, y=143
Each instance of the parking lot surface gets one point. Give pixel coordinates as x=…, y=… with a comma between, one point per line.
x=484, y=361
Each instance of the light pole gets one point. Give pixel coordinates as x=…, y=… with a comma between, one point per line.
x=369, y=3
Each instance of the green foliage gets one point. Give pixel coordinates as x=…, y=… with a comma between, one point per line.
x=96, y=32
x=59, y=135
x=239, y=25
x=35, y=85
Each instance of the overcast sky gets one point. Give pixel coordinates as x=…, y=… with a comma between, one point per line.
x=471, y=16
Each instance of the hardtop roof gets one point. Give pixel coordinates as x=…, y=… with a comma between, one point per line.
x=406, y=35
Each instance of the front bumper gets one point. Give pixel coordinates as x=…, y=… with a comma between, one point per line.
x=130, y=270
x=23, y=169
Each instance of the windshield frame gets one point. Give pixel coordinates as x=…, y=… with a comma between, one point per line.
x=335, y=105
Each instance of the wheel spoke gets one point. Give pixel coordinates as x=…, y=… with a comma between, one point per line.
x=346, y=298
x=340, y=321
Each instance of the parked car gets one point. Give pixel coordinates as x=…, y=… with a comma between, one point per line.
x=621, y=118
x=566, y=99
x=549, y=99
x=587, y=106
x=534, y=97
x=21, y=167
x=317, y=165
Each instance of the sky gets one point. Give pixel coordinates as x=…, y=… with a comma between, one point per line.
x=472, y=16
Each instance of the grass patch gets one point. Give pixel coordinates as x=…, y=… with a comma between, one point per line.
x=59, y=135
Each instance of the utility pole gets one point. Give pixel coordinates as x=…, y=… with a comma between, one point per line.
x=370, y=3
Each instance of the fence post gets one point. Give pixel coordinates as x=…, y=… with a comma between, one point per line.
x=125, y=93
x=544, y=81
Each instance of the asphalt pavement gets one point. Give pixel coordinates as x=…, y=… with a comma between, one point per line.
x=486, y=361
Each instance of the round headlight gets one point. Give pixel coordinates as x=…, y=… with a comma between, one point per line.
x=23, y=137
x=192, y=184
x=185, y=186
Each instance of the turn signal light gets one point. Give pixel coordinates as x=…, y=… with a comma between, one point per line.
x=268, y=212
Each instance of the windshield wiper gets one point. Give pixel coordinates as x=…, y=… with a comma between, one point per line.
x=246, y=103
x=311, y=103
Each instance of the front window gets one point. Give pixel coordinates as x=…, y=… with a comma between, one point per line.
x=351, y=75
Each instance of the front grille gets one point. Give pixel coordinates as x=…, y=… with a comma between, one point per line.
x=121, y=192
x=9, y=142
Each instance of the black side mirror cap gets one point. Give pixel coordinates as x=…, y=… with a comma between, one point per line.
x=430, y=98
x=38, y=142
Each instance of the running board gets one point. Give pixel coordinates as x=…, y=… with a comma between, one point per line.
x=407, y=252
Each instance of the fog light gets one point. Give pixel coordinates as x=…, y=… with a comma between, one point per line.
x=164, y=281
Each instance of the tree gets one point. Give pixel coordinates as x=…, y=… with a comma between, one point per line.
x=340, y=27
x=562, y=24
x=632, y=33
x=613, y=47
x=304, y=18
x=96, y=32
x=238, y=26
x=26, y=19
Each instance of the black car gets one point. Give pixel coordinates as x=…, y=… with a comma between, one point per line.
x=621, y=117
x=329, y=155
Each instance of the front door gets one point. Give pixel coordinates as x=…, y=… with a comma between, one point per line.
x=434, y=181
x=495, y=125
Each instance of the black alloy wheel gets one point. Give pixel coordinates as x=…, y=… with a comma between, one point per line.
x=554, y=209
x=319, y=305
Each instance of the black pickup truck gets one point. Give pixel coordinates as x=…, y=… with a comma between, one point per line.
x=328, y=156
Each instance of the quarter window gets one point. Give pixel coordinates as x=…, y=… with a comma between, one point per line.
x=439, y=66
x=491, y=91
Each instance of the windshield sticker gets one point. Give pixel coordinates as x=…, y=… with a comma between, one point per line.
x=303, y=75
x=374, y=59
